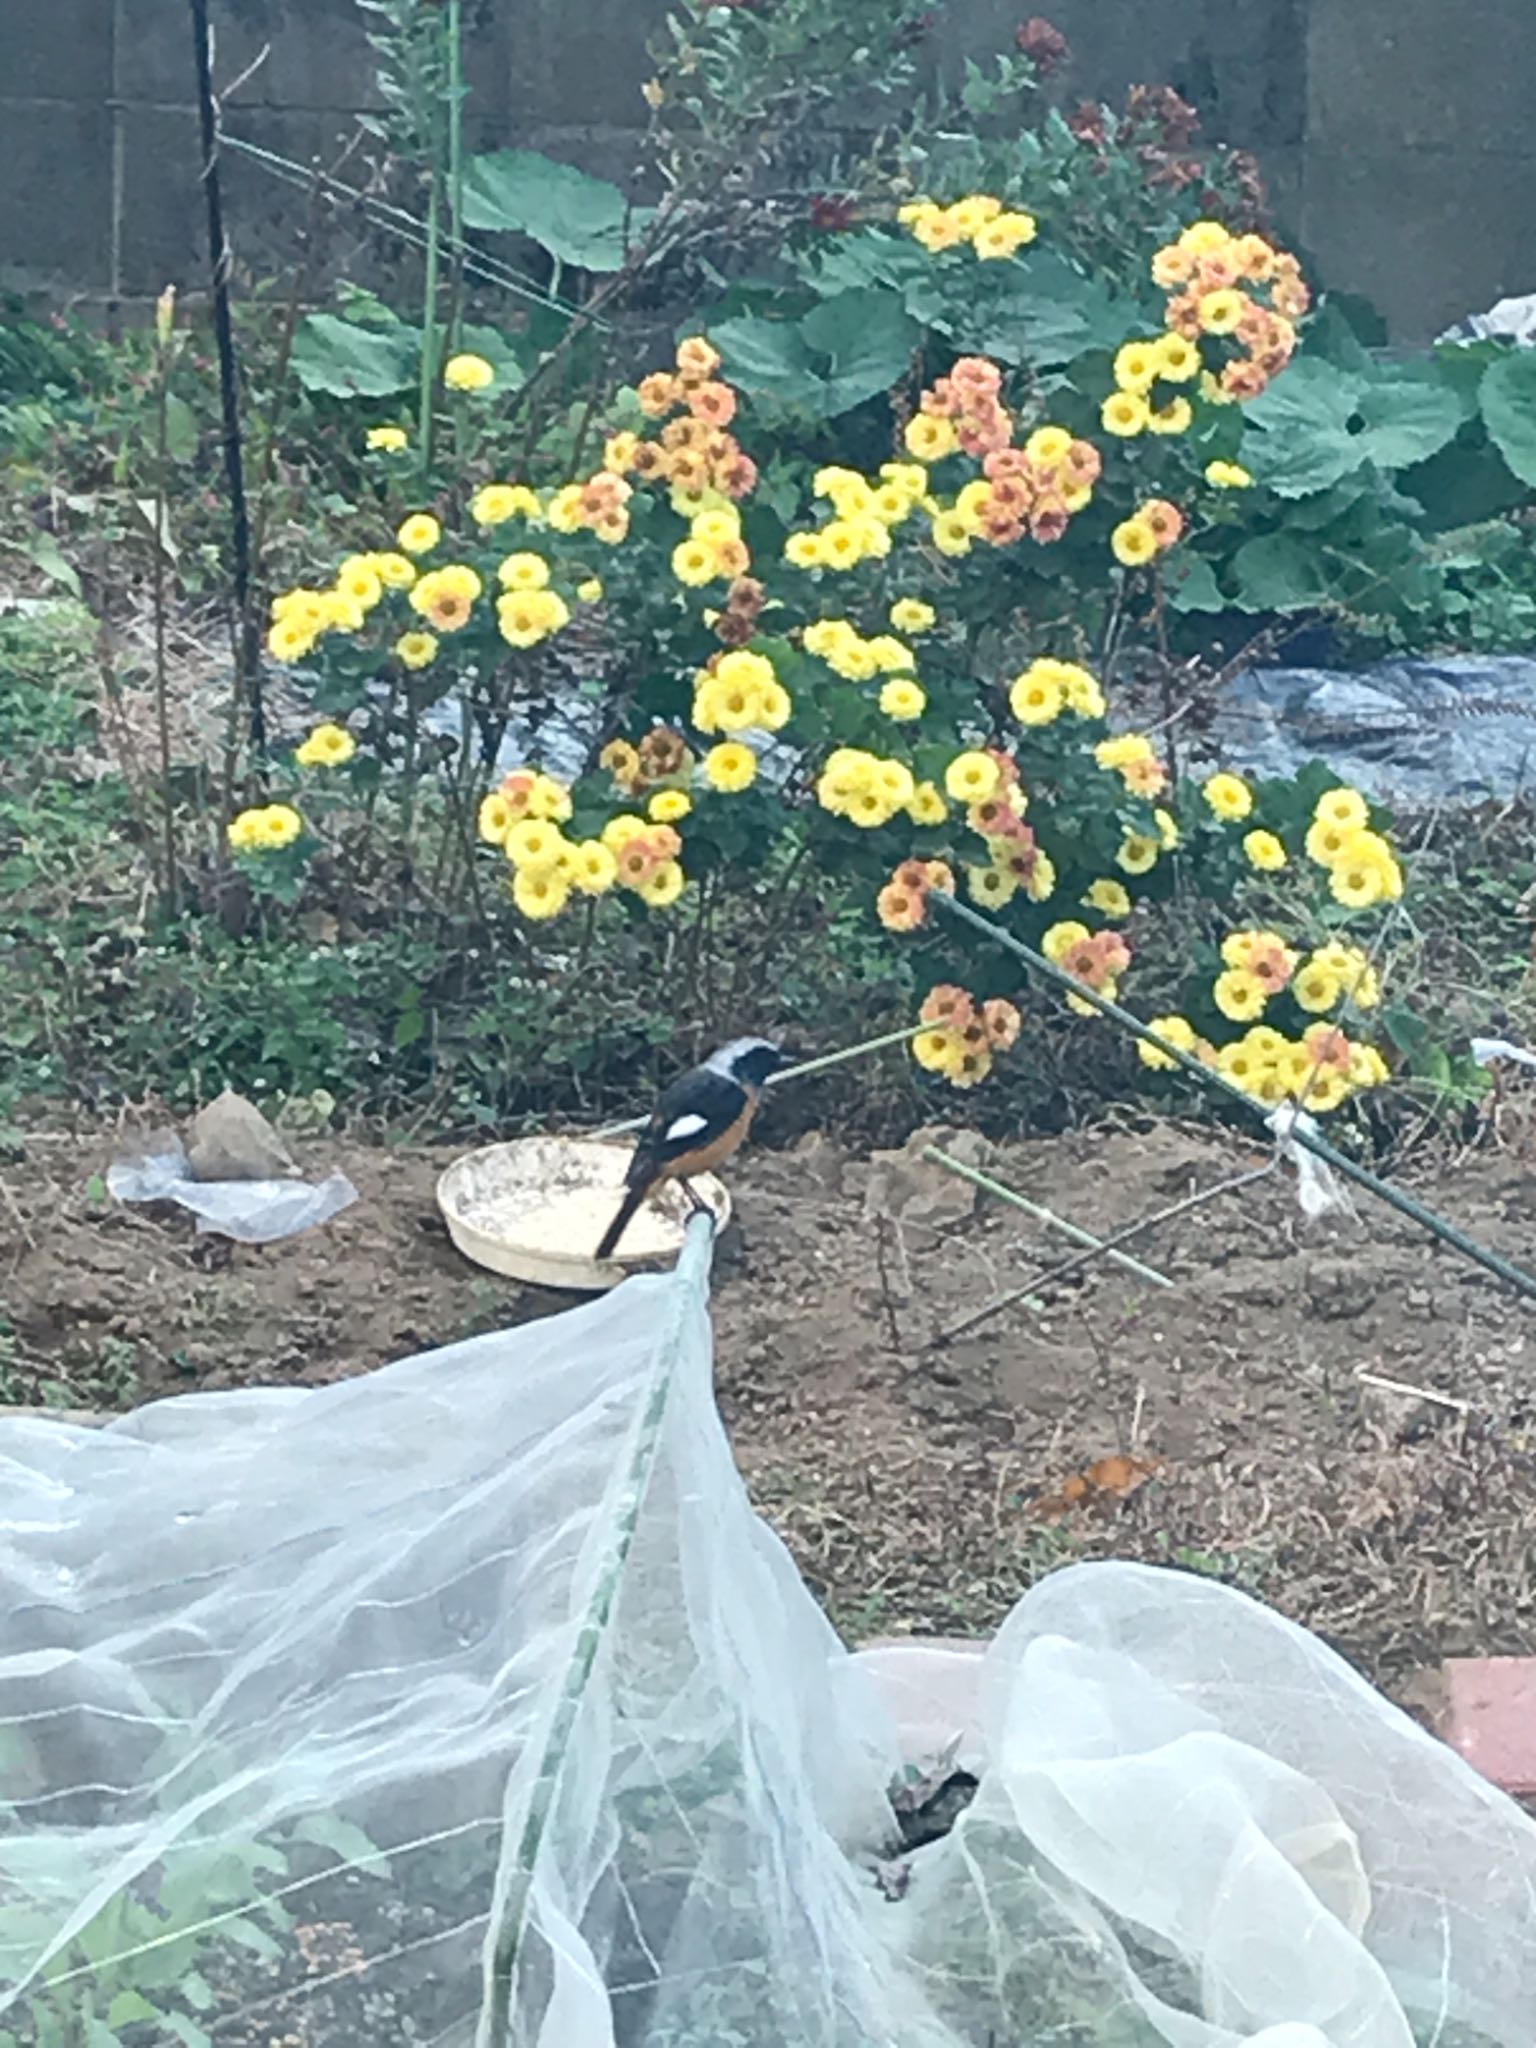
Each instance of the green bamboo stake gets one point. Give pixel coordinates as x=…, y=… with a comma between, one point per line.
x=456, y=162
x=1492, y=1262
x=428, y=397
x=1072, y=1231
x=511, y=1909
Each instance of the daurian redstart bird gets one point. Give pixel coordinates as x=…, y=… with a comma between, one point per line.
x=699, y=1120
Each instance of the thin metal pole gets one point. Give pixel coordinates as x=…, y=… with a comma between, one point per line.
x=247, y=648
x=1504, y=1269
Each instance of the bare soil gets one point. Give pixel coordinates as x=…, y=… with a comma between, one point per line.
x=913, y=1480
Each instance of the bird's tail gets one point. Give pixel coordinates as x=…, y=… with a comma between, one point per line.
x=633, y=1197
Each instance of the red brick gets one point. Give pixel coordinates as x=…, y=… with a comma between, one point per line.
x=1490, y=1717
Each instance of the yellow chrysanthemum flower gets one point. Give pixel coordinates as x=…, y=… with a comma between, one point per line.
x=494, y=505
x=1227, y=476
x=1138, y=852
x=540, y=893
x=1004, y=235
x=929, y=439
x=1228, y=796
x=1178, y=359
x=593, y=868
x=668, y=805
x=1222, y=312
x=1060, y=938
x=803, y=551
x=468, y=373
x=664, y=887
x=328, y=746
x=953, y=534
x=1048, y=446
x=387, y=440
x=902, y=698
x=972, y=777
x=1316, y=988
x=1264, y=851
x=267, y=829
x=1133, y=543
x=1137, y=366
x=620, y=829
x=536, y=844
x=1109, y=897
x=590, y=590
x=1178, y=1031
x=1240, y=995
x=495, y=818
x=395, y=572
x=416, y=650
x=695, y=562
x=926, y=806
x=1124, y=414
x=420, y=534
x=1123, y=749
x=1344, y=808
x=1037, y=697
x=730, y=767
x=525, y=571
x=1176, y=417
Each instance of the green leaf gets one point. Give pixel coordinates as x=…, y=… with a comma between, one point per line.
x=1508, y=398
x=181, y=433
x=1406, y=420
x=1304, y=444
x=768, y=358
x=1192, y=586
x=344, y=1840
x=129, y=2006
x=869, y=337
x=99, y=2035
x=44, y=553
x=579, y=219
x=1319, y=424
x=1278, y=573
x=333, y=356
x=187, y=2031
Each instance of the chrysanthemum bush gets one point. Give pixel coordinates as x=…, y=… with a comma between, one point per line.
x=830, y=663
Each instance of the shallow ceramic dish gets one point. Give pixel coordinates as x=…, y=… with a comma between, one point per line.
x=536, y=1208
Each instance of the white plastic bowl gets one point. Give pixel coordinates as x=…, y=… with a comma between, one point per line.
x=536, y=1209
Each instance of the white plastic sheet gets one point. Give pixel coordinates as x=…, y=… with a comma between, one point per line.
x=250, y=1211
x=469, y=1703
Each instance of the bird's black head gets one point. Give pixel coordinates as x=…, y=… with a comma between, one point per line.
x=752, y=1061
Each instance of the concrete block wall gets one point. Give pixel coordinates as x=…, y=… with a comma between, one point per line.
x=1399, y=136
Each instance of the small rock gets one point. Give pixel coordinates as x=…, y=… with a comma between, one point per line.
x=911, y=1189
x=232, y=1140
x=1340, y=1288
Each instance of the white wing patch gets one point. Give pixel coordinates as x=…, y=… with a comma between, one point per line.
x=685, y=1127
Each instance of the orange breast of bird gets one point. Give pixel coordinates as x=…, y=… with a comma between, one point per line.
x=716, y=1151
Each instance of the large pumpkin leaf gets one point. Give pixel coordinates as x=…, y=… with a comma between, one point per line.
x=1036, y=309
x=1508, y=398
x=1304, y=443
x=347, y=361
x=1404, y=420
x=767, y=358
x=581, y=220
x=1276, y=572
x=869, y=336
x=1318, y=424
x=844, y=351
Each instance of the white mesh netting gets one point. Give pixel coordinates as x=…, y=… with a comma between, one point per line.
x=470, y=1703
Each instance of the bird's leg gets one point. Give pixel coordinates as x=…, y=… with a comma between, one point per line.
x=695, y=1203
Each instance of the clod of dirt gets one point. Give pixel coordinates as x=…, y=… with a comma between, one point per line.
x=231, y=1140
x=910, y=1189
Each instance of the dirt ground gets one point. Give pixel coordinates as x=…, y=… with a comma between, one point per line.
x=914, y=1480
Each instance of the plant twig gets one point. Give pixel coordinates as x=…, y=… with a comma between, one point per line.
x=1043, y=1215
